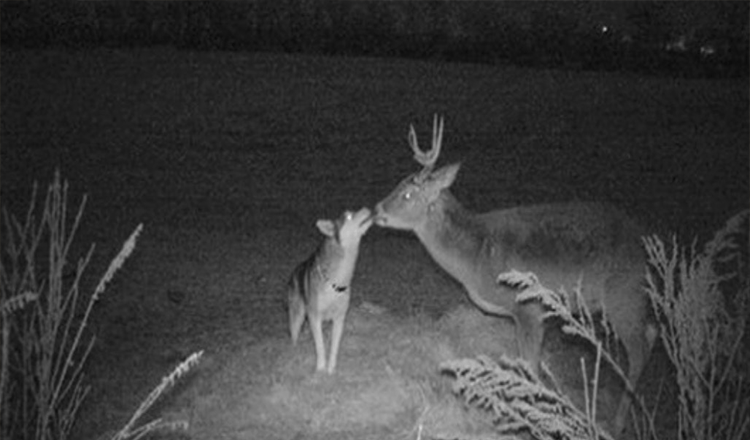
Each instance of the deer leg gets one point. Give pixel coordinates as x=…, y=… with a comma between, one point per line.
x=530, y=333
x=628, y=315
x=638, y=339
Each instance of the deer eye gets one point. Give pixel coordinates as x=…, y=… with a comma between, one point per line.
x=407, y=195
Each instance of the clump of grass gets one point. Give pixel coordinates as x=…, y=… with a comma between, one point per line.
x=701, y=298
x=557, y=305
x=583, y=325
x=44, y=321
x=515, y=396
x=518, y=401
x=131, y=432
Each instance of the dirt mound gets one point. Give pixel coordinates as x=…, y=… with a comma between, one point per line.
x=387, y=383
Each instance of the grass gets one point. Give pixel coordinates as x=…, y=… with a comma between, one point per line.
x=702, y=298
x=518, y=401
x=44, y=349
x=45, y=342
x=133, y=432
x=516, y=398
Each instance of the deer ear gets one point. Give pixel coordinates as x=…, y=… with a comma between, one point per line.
x=327, y=227
x=444, y=177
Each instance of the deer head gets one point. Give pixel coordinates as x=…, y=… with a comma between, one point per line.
x=408, y=206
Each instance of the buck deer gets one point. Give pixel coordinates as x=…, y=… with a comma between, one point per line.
x=561, y=243
x=319, y=287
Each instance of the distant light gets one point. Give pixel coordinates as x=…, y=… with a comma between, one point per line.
x=708, y=50
x=678, y=45
x=604, y=29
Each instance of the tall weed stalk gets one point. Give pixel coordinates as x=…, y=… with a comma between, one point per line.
x=44, y=318
x=701, y=298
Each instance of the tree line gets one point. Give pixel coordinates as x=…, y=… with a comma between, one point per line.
x=482, y=32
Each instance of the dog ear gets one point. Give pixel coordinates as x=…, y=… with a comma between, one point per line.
x=327, y=227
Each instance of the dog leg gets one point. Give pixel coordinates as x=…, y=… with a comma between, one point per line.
x=296, y=315
x=316, y=325
x=336, y=333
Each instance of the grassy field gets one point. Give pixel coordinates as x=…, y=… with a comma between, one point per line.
x=228, y=159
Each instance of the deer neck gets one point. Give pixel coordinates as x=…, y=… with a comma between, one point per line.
x=453, y=237
x=463, y=246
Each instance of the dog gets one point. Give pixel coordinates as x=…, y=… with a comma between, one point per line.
x=320, y=287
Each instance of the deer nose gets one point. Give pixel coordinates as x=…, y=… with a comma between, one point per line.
x=379, y=215
x=368, y=217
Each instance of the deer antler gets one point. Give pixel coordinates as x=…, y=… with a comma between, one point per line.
x=427, y=158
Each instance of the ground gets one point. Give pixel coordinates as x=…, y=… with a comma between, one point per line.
x=229, y=158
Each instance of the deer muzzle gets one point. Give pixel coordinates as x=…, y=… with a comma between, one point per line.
x=379, y=216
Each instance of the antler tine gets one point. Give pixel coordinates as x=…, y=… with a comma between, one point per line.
x=437, y=138
x=427, y=158
x=419, y=155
